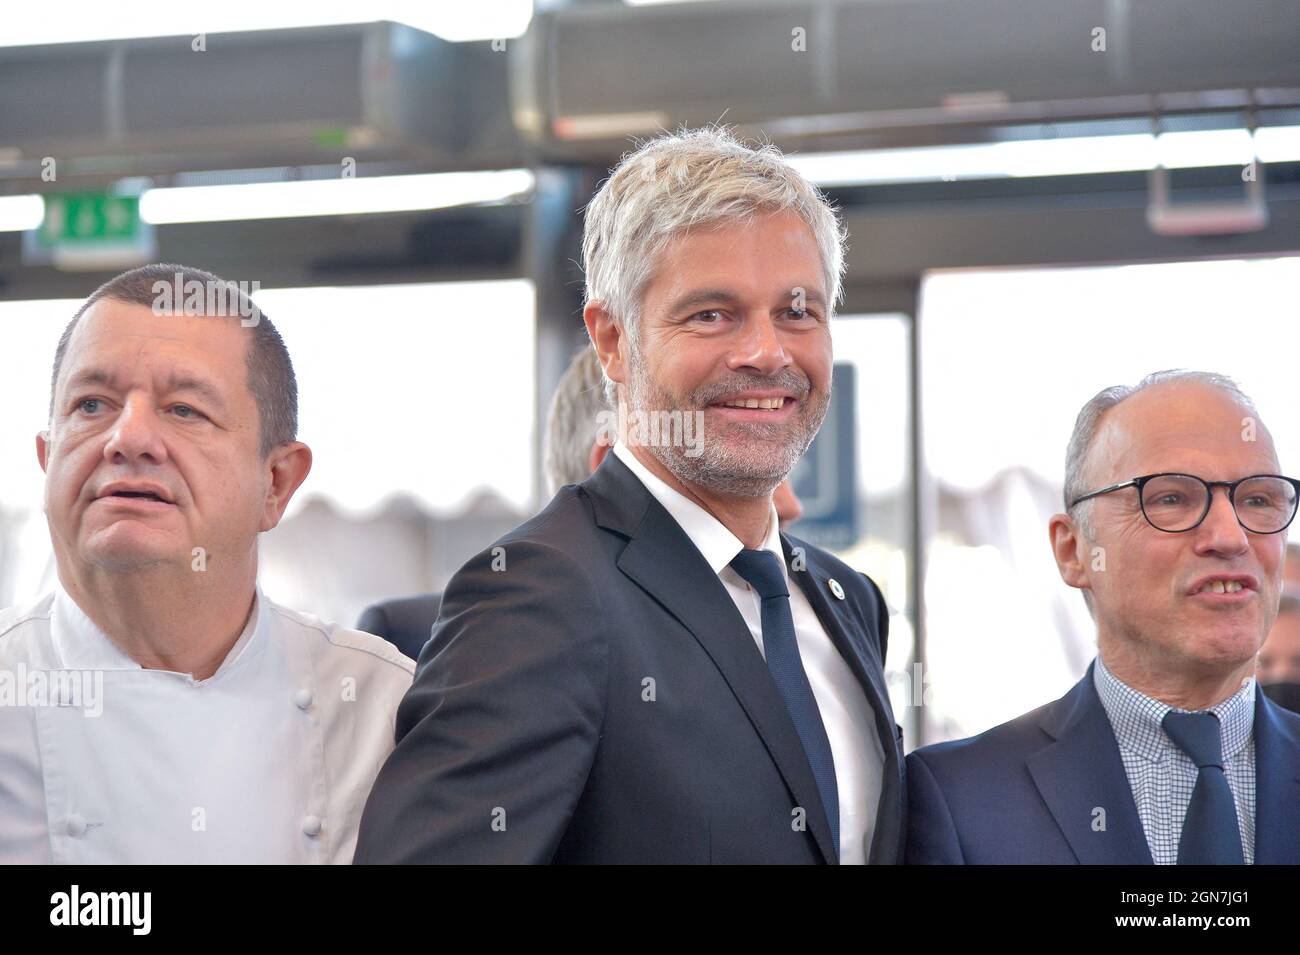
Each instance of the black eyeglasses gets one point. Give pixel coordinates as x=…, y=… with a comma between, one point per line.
x=1174, y=503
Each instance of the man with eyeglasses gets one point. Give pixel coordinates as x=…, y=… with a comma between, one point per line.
x=1174, y=530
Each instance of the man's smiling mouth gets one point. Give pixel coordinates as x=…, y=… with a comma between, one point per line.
x=767, y=404
x=762, y=401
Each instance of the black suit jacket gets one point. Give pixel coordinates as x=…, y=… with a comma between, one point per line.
x=592, y=694
x=405, y=622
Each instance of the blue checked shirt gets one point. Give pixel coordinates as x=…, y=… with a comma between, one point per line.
x=1160, y=774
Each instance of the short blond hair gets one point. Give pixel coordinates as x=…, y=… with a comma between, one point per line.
x=681, y=180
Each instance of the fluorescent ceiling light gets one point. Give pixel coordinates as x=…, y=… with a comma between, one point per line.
x=1047, y=157
x=82, y=20
x=330, y=197
x=1052, y=157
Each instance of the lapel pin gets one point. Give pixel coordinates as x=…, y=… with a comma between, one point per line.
x=836, y=589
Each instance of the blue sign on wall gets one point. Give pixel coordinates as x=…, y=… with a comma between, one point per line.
x=826, y=478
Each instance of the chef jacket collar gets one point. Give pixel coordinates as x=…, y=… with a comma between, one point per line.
x=79, y=644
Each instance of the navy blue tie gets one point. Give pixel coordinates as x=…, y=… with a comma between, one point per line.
x=763, y=571
x=1210, y=833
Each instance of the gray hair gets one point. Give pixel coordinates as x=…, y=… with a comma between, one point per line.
x=1086, y=425
x=676, y=182
x=574, y=421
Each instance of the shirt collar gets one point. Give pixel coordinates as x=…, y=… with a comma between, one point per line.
x=710, y=536
x=1136, y=718
x=79, y=644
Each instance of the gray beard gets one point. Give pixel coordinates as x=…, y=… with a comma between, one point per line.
x=722, y=467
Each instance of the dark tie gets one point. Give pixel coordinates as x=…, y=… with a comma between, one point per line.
x=763, y=571
x=1210, y=833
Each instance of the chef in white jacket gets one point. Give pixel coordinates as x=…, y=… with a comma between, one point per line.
x=158, y=707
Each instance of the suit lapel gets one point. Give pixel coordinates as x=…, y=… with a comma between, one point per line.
x=847, y=633
x=1277, y=786
x=1082, y=772
x=661, y=559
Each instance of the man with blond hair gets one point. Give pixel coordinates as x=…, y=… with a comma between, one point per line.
x=650, y=670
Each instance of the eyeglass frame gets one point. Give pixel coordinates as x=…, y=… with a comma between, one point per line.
x=1141, y=482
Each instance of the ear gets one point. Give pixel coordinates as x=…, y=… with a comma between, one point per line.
x=1069, y=549
x=289, y=464
x=607, y=338
x=598, y=452
x=43, y=450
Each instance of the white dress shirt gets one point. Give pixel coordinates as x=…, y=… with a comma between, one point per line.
x=846, y=714
x=269, y=760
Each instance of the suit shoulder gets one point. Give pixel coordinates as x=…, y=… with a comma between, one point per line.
x=563, y=536
x=565, y=524
x=975, y=756
x=356, y=646
x=1289, y=720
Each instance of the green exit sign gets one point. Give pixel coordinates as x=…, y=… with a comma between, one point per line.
x=90, y=230
x=91, y=218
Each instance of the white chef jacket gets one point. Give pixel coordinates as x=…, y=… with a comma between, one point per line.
x=269, y=760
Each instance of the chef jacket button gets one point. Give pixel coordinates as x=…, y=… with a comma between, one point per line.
x=302, y=699
x=76, y=825
x=311, y=825
x=836, y=589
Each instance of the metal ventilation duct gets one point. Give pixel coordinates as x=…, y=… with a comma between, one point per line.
x=378, y=92
x=845, y=74
x=831, y=74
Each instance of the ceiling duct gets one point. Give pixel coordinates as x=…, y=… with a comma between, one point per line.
x=871, y=73
x=378, y=92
